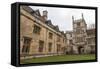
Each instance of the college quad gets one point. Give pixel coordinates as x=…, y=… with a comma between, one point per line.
x=40, y=38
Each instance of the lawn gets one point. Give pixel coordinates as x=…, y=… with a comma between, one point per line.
x=59, y=58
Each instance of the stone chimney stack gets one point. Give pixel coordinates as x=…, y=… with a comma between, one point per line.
x=45, y=14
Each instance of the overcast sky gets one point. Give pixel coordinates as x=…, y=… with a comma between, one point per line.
x=63, y=16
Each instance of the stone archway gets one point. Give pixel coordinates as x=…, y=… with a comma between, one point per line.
x=80, y=50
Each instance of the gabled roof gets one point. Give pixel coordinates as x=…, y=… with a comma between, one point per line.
x=31, y=11
x=49, y=23
x=57, y=27
x=37, y=12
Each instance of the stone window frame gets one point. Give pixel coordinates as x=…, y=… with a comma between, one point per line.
x=26, y=44
x=49, y=47
x=36, y=29
x=50, y=35
x=41, y=46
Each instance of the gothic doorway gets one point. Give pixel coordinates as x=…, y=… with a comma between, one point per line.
x=80, y=50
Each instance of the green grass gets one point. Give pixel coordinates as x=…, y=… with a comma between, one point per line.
x=59, y=58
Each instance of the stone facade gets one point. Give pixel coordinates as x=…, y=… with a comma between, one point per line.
x=69, y=47
x=82, y=39
x=91, y=39
x=38, y=36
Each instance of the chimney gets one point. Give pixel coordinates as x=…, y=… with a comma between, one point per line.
x=45, y=14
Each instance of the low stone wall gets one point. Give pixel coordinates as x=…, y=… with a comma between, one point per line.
x=28, y=56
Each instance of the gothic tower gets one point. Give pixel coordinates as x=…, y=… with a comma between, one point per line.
x=79, y=34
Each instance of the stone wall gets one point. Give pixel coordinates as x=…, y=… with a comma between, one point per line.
x=27, y=23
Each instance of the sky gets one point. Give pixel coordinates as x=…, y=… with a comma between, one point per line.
x=63, y=16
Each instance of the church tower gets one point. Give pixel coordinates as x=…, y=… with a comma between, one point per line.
x=79, y=34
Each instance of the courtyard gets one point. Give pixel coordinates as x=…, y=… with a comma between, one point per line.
x=59, y=58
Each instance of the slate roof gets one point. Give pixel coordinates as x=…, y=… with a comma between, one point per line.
x=28, y=9
x=47, y=22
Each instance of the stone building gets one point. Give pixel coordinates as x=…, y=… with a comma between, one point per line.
x=69, y=47
x=91, y=39
x=79, y=35
x=82, y=40
x=38, y=36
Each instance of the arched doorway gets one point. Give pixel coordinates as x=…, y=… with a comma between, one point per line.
x=80, y=50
